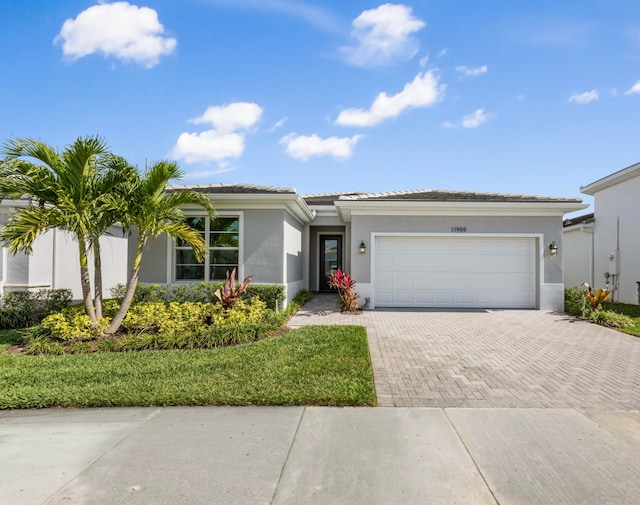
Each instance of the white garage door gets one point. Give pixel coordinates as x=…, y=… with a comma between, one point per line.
x=455, y=272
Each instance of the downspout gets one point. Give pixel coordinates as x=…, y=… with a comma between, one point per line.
x=616, y=284
x=4, y=272
x=589, y=231
x=53, y=260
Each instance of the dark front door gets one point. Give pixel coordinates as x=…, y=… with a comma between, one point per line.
x=330, y=258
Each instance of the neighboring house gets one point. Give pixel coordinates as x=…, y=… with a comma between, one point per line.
x=54, y=262
x=578, y=250
x=616, y=233
x=404, y=249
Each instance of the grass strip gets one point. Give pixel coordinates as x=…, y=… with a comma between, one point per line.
x=313, y=365
x=628, y=309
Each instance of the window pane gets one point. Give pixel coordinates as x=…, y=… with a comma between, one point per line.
x=223, y=240
x=189, y=272
x=186, y=256
x=197, y=222
x=224, y=256
x=224, y=224
x=219, y=272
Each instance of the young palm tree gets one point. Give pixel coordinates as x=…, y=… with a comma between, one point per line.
x=153, y=211
x=65, y=190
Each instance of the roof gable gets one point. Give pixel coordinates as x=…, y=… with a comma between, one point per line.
x=611, y=180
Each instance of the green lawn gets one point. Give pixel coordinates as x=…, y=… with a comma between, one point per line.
x=633, y=311
x=314, y=365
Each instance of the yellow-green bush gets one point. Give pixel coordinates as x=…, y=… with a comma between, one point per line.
x=70, y=325
x=158, y=325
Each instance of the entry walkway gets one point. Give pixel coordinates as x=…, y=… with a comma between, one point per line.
x=492, y=358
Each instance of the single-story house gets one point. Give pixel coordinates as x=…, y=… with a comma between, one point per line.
x=54, y=262
x=614, y=233
x=405, y=249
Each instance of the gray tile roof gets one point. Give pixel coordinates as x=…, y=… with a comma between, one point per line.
x=326, y=198
x=425, y=195
x=585, y=219
x=223, y=188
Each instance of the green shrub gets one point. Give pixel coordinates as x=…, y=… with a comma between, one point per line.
x=42, y=344
x=26, y=308
x=610, y=319
x=157, y=325
x=13, y=318
x=272, y=294
x=576, y=302
x=303, y=296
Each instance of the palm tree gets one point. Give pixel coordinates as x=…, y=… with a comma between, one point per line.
x=153, y=211
x=65, y=190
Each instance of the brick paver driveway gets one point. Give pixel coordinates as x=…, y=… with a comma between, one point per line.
x=496, y=358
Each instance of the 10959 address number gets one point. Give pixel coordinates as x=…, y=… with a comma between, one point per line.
x=458, y=229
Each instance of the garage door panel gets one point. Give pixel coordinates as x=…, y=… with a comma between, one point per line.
x=455, y=272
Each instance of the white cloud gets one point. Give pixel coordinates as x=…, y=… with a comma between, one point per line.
x=586, y=97
x=383, y=36
x=225, y=141
x=472, y=72
x=634, y=90
x=232, y=117
x=208, y=146
x=118, y=29
x=449, y=124
x=475, y=119
x=424, y=60
x=206, y=174
x=423, y=91
x=302, y=147
x=278, y=124
x=442, y=53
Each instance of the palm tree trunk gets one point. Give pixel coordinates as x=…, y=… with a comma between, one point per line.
x=97, y=277
x=85, y=280
x=131, y=289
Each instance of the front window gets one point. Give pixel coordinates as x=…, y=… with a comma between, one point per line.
x=222, y=235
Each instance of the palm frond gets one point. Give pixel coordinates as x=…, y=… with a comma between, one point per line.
x=26, y=226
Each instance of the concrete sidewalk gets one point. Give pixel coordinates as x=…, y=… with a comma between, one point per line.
x=318, y=455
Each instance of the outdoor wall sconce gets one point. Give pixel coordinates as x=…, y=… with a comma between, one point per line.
x=553, y=249
x=363, y=248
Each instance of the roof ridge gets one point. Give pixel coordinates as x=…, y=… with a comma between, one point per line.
x=244, y=185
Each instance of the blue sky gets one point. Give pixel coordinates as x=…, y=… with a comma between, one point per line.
x=483, y=95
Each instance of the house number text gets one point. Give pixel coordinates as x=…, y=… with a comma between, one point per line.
x=458, y=229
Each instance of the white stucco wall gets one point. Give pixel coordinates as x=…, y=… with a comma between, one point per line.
x=613, y=205
x=292, y=260
x=578, y=254
x=66, y=270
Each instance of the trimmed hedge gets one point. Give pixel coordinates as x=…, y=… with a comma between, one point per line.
x=576, y=302
x=26, y=308
x=271, y=294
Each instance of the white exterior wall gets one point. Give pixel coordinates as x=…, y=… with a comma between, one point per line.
x=292, y=262
x=618, y=203
x=578, y=255
x=66, y=261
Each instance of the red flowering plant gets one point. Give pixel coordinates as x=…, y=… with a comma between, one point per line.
x=345, y=284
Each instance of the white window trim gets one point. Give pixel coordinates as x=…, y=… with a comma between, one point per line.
x=171, y=248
